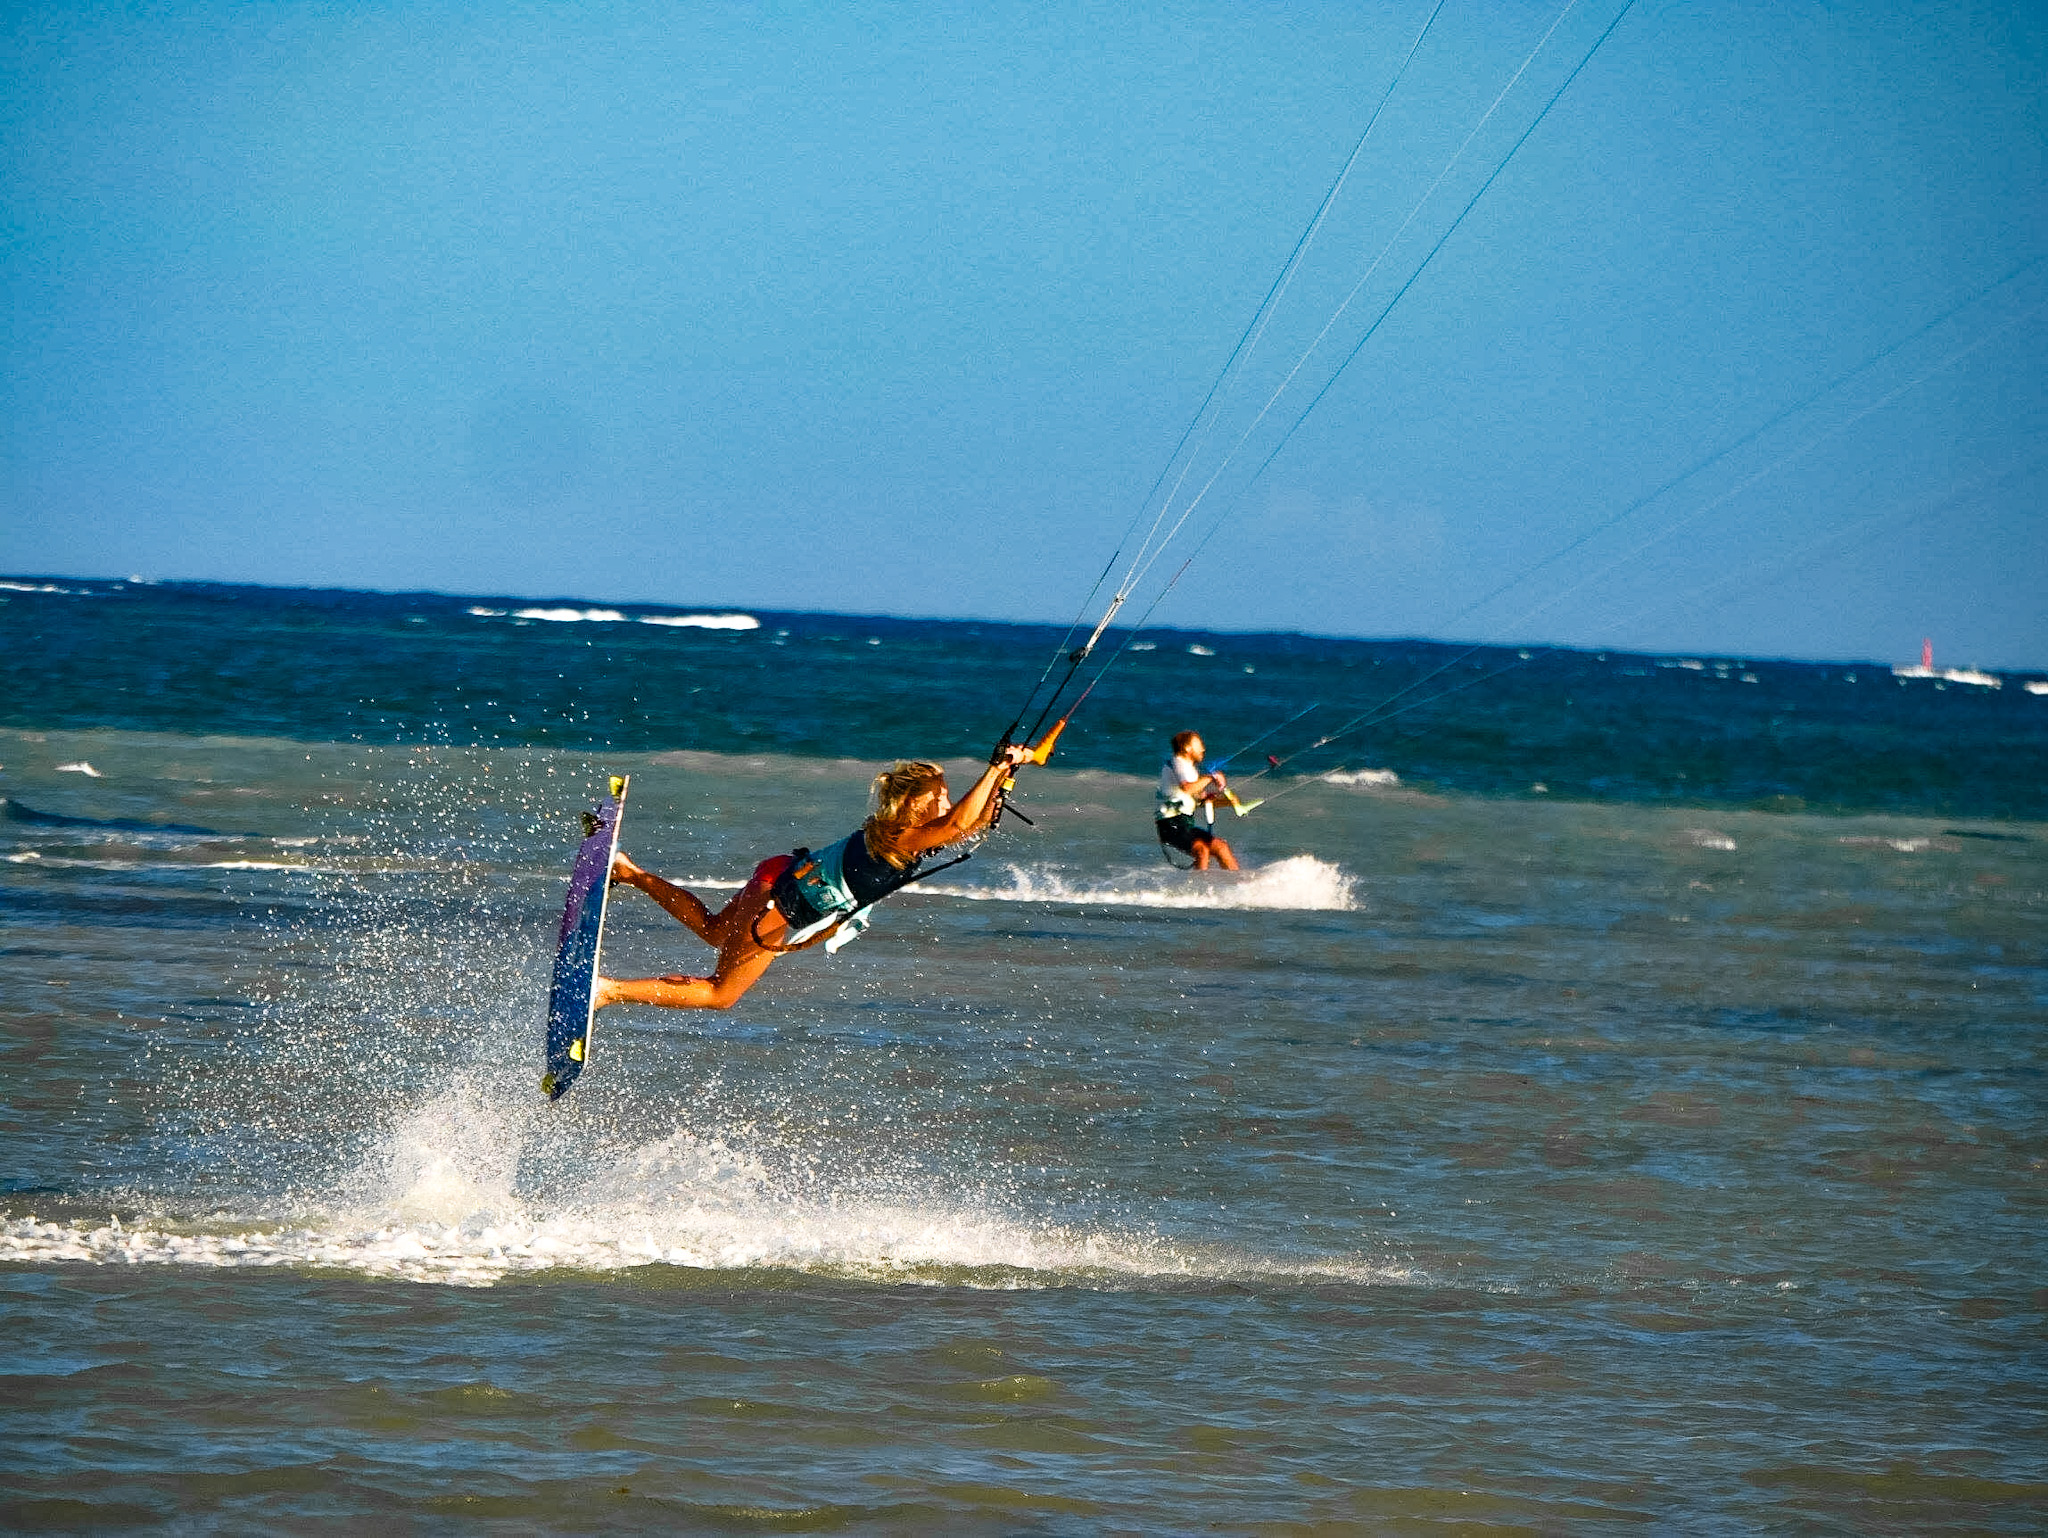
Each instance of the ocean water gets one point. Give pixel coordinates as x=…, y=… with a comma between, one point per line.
x=1639, y=1152
x=1483, y=720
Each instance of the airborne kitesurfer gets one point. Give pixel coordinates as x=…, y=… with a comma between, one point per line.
x=799, y=899
x=1183, y=790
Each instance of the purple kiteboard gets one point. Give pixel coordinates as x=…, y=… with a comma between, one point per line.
x=571, y=1007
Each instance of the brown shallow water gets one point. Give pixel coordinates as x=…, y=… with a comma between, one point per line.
x=1507, y=1165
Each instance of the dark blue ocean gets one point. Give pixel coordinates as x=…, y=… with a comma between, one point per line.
x=1610, y=1097
x=326, y=665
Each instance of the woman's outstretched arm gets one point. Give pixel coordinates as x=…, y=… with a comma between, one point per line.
x=973, y=811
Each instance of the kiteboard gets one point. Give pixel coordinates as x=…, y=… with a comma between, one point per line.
x=571, y=1005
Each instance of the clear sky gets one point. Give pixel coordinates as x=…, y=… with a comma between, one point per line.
x=902, y=308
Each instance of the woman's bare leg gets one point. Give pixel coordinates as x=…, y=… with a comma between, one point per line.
x=721, y=990
x=741, y=957
x=685, y=907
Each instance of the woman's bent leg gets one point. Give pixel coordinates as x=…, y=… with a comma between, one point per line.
x=721, y=990
x=685, y=907
x=742, y=957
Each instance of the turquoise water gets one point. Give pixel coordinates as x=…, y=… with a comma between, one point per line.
x=1507, y=1161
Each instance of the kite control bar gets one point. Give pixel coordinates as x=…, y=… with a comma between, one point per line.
x=1041, y=751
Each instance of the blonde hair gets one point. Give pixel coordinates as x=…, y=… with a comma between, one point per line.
x=896, y=790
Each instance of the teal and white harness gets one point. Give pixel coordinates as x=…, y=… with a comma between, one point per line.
x=821, y=878
x=842, y=899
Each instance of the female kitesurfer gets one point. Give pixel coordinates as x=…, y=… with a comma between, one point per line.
x=794, y=900
x=1183, y=788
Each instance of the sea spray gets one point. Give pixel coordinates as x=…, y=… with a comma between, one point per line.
x=1299, y=883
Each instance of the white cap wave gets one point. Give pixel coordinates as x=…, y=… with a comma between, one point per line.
x=1300, y=883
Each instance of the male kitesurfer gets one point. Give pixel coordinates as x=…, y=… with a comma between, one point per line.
x=794, y=900
x=1184, y=789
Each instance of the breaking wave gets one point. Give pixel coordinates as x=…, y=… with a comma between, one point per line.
x=569, y=616
x=1301, y=882
x=703, y=621
x=615, y=617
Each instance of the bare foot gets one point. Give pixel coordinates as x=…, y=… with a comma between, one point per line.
x=604, y=990
x=624, y=871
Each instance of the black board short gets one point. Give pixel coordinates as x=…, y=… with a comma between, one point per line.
x=1183, y=833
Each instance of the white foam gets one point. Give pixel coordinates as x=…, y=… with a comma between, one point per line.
x=81, y=767
x=703, y=621
x=161, y=839
x=487, y=613
x=1384, y=777
x=1980, y=679
x=438, y=1203
x=2037, y=686
x=570, y=616
x=1706, y=838
x=43, y=859
x=1300, y=883
x=38, y=587
x=55, y=860
x=877, y=1242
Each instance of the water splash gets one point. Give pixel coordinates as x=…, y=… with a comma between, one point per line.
x=1301, y=883
x=437, y=1200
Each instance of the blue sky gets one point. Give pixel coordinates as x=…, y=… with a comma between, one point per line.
x=902, y=309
